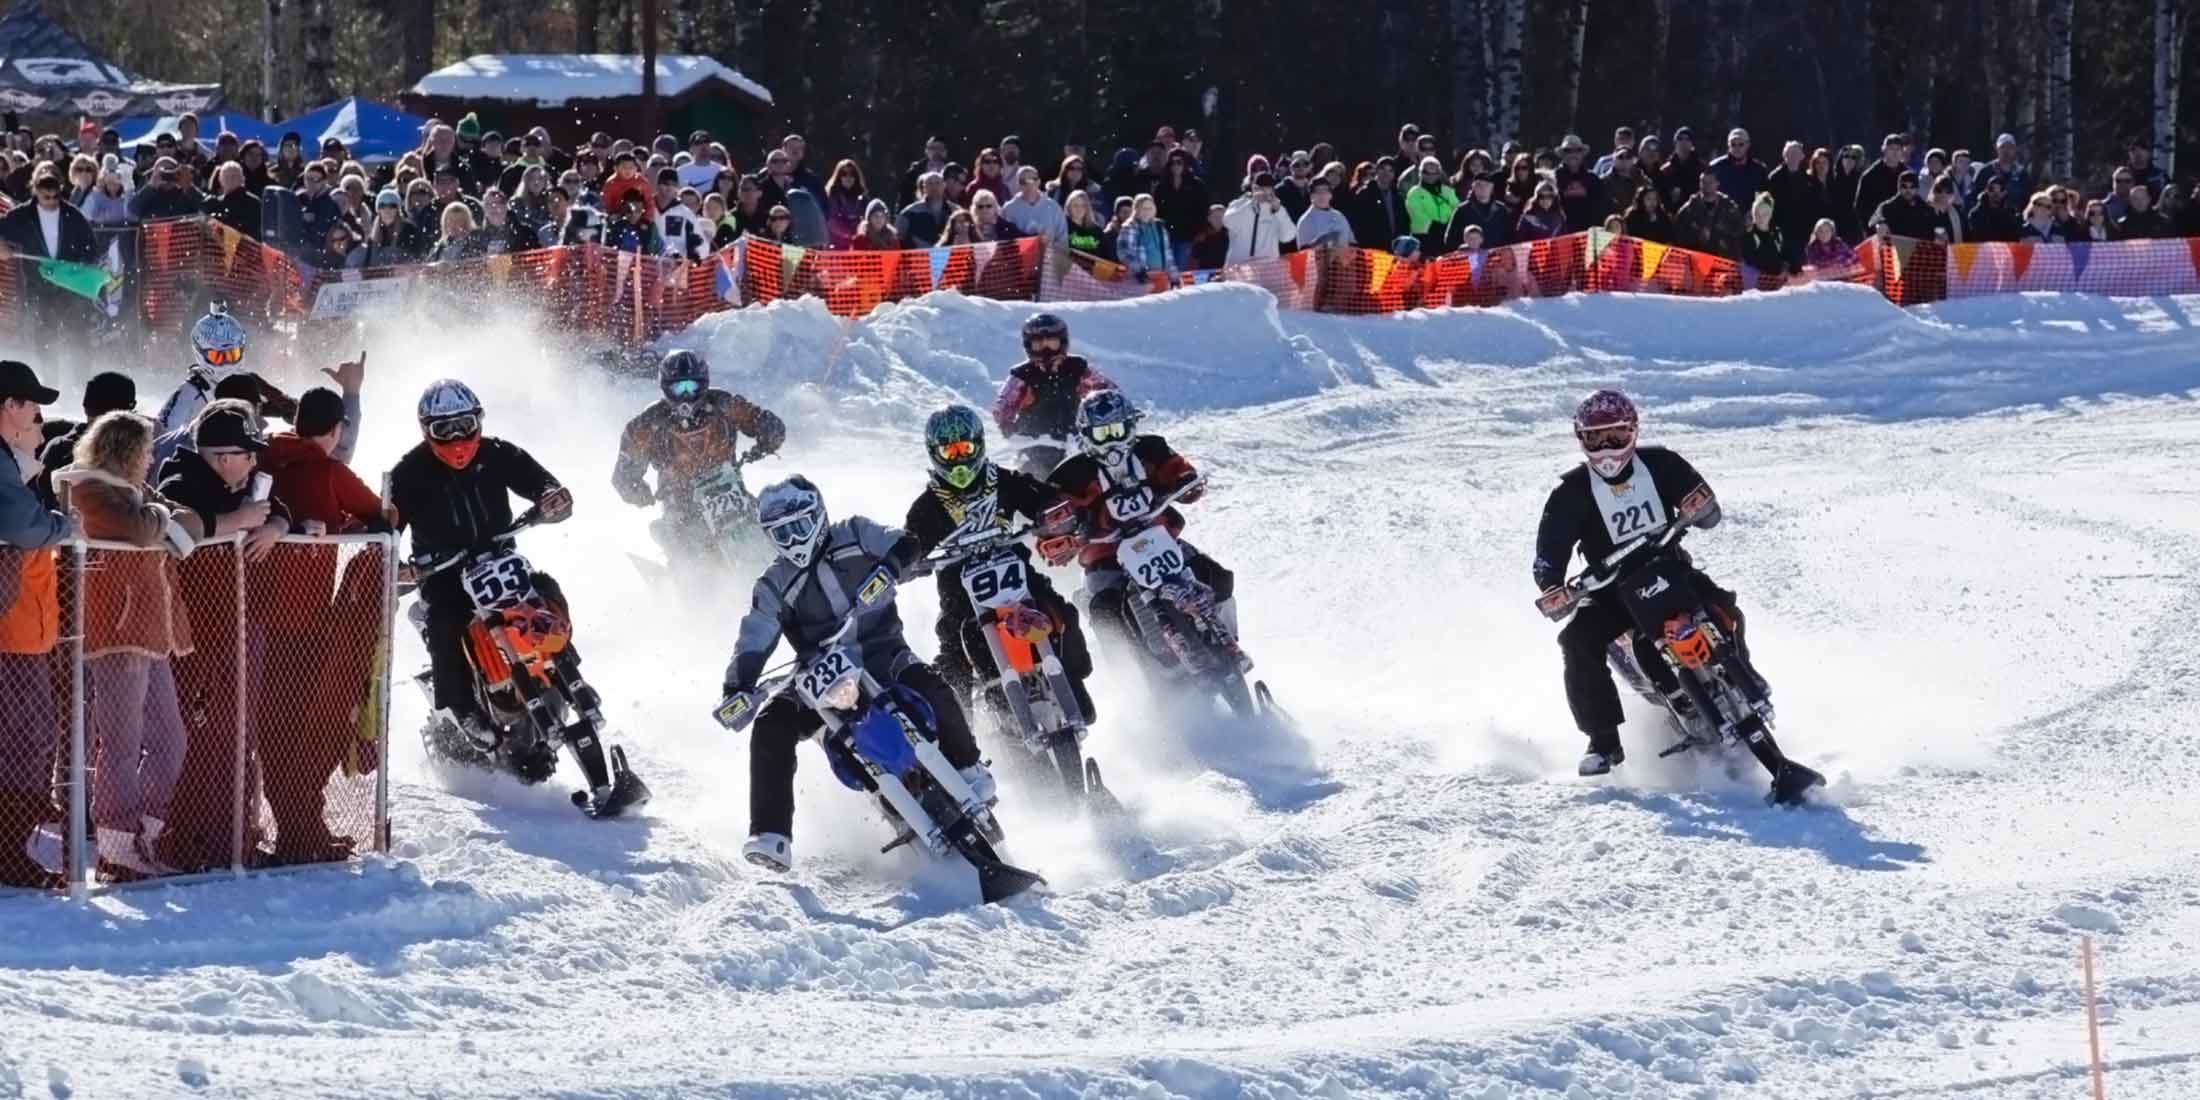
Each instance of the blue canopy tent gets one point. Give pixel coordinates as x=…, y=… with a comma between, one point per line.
x=370, y=131
x=145, y=130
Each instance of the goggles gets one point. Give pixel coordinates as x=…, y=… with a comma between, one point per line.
x=222, y=357
x=451, y=428
x=961, y=450
x=1615, y=438
x=792, y=531
x=685, y=389
x=1044, y=343
x=1108, y=433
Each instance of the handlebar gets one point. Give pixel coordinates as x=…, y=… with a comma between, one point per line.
x=1603, y=573
x=425, y=567
x=961, y=546
x=1153, y=514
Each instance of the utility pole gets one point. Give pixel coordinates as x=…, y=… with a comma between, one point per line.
x=649, y=70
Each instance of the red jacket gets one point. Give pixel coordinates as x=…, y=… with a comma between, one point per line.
x=1157, y=468
x=316, y=486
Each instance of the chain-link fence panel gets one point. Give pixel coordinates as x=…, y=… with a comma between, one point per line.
x=39, y=648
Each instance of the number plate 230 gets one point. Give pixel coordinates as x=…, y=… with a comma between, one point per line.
x=1153, y=557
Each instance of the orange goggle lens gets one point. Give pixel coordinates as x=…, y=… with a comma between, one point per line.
x=957, y=451
x=223, y=357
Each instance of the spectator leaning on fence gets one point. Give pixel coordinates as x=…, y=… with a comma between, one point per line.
x=1032, y=212
x=1429, y=203
x=1827, y=253
x=30, y=616
x=1323, y=226
x=136, y=626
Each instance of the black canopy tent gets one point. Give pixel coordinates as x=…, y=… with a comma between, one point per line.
x=51, y=78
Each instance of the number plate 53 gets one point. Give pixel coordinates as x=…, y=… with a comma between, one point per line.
x=499, y=581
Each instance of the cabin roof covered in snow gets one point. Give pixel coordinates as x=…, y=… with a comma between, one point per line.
x=551, y=79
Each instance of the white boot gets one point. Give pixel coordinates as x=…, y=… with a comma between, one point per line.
x=981, y=783
x=1227, y=612
x=771, y=851
x=125, y=849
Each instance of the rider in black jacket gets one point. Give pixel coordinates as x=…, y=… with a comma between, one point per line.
x=454, y=490
x=1619, y=492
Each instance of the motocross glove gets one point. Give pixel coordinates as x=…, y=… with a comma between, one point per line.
x=556, y=505
x=737, y=708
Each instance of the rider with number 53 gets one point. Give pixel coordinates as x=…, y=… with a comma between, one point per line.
x=809, y=591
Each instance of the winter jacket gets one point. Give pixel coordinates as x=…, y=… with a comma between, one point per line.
x=654, y=439
x=1990, y=221
x=1495, y=218
x=1044, y=403
x=1211, y=249
x=101, y=208
x=805, y=605
x=617, y=189
x=1678, y=179
x=2015, y=178
x=1257, y=232
x=1875, y=187
x=1740, y=180
x=1798, y=201
x=136, y=601
x=1429, y=211
x=1905, y=218
x=1042, y=218
x=1848, y=222
x=318, y=486
x=1833, y=255
x=1292, y=194
x=2143, y=225
x=1945, y=225
x=20, y=228
x=186, y=479
x=2050, y=232
x=1182, y=207
x=1378, y=215
x=239, y=210
x=681, y=232
x=450, y=510
x=1765, y=250
x=1144, y=247
x=1324, y=227
x=1656, y=227
x=1538, y=224
x=30, y=602
x=1713, y=224
x=25, y=521
x=843, y=216
x=1090, y=239
x=1580, y=195
x=1154, y=465
x=153, y=203
x=1573, y=518
x=920, y=225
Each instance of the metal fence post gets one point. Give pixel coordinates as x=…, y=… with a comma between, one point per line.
x=244, y=666
x=72, y=846
x=387, y=687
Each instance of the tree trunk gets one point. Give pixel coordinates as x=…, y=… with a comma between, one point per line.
x=1654, y=63
x=1512, y=20
x=1577, y=37
x=2169, y=52
x=271, y=32
x=585, y=39
x=748, y=36
x=419, y=39
x=1470, y=123
x=2032, y=87
x=2062, y=115
x=318, y=37
x=1994, y=64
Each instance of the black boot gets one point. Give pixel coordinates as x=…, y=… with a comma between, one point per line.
x=1791, y=783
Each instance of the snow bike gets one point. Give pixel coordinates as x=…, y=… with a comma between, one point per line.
x=879, y=739
x=719, y=528
x=1172, y=614
x=527, y=680
x=1029, y=688
x=1732, y=704
x=1039, y=455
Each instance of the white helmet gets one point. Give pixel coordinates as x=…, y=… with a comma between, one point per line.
x=792, y=513
x=446, y=405
x=219, y=341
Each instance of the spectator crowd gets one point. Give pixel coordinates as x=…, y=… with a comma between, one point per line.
x=1168, y=207
x=162, y=641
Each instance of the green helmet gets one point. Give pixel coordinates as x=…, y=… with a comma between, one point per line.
x=954, y=441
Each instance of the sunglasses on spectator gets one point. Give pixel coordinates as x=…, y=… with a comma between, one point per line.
x=958, y=451
x=222, y=357
x=462, y=426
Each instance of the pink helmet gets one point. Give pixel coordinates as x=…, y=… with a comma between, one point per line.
x=1605, y=423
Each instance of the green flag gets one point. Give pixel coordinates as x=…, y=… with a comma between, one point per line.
x=86, y=280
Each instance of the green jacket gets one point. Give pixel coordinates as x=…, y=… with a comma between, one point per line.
x=1425, y=207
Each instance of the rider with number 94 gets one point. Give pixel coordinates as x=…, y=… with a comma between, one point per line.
x=968, y=490
x=689, y=436
x=804, y=596
x=454, y=492
x=1620, y=493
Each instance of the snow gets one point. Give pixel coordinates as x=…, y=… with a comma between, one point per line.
x=1963, y=536
x=550, y=80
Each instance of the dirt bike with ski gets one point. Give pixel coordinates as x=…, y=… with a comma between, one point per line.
x=879, y=739
x=526, y=680
x=1728, y=703
x=718, y=525
x=1172, y=615
x=1029, y=689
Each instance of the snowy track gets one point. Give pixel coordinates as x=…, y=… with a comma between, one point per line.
x=1966, y=540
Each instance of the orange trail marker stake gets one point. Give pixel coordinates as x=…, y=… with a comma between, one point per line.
x=2092, y=1019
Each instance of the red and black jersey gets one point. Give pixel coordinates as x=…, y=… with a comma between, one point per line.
x=1044, y=402
x=1155, y=472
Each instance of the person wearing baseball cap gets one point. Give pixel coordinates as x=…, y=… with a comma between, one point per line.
x=26, y=523
x=2014, y=177
x=108, y=391
x=214, y=478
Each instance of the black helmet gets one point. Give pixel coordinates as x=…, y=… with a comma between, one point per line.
x=682, y=377
x=954, y=442
x=1043, y=326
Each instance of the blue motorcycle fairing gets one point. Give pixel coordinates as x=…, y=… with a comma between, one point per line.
x=879, y=737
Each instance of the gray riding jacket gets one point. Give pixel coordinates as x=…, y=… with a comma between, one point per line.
x=805, y=605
